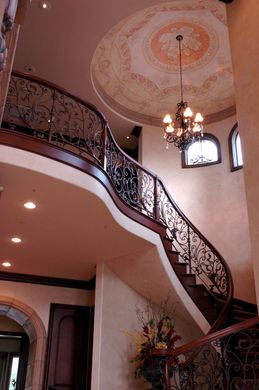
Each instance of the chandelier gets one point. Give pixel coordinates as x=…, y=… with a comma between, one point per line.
x=183, y=129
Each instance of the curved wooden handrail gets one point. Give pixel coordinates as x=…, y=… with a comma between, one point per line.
x=215, y=336
x=137, y=187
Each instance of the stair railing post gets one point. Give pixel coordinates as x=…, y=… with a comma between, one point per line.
x=51, y=115
x=104, y=145
x=189, y=247
x=156, y=212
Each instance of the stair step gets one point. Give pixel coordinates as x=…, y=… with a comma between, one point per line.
x=167, y=243
x=173, y=251
x=206, y=304
x=245, y=306
x=180, y=268
x=172, y=256
x=167, y=238
x=188, y=279
x=197, y=290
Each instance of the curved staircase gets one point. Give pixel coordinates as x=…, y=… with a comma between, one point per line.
x=43, y=118
x=47, y=113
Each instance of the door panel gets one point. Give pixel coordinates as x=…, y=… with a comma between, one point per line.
x=69, y=348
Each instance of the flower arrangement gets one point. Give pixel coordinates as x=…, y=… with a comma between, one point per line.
x=157, y=333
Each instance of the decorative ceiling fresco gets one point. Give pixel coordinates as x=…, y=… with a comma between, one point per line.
x=135, y=68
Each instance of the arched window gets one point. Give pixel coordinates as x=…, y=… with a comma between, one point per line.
x=235, y=149
x=203, y=152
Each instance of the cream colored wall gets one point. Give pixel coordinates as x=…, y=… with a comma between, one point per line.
x=39, y=297
x=243, y=19
x=212, y=197
x=115, y=314
x=115, y=305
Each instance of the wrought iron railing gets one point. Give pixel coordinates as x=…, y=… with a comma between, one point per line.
x=43, y=110
x=226, y=360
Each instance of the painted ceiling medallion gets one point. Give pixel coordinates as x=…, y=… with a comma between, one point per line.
x=135, y=68
x=199, y=46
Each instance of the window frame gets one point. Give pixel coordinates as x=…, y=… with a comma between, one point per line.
x=209, y=137
x=234, y=132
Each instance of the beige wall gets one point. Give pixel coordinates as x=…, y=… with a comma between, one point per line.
x=212, y=197
x=115, y=314
x=39, y=297
x=243, y=19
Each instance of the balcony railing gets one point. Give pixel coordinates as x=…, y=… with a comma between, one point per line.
x=46, y=112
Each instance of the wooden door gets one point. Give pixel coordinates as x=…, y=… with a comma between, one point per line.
x=69, y=348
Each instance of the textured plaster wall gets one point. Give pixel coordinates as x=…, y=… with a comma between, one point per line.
x=243, y=19
x=212, y=197
x=114, y=315
x=39, y=297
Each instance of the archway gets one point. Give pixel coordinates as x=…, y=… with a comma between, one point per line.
x=33, y=326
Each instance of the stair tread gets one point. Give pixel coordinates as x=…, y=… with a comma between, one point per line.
x=173, y=251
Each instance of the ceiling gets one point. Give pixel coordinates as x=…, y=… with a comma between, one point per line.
x=71, y=231
x=135, y=67
x=131, y=46
x=66, y=235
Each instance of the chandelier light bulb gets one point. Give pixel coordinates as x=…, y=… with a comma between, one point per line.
x=167, y=119
x=198, y=117
x=188, y=112
x=170, y=128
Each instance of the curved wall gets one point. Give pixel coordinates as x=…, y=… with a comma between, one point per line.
x=212, y=197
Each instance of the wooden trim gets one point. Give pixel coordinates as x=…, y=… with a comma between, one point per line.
x=215, y=336
x=48, y=281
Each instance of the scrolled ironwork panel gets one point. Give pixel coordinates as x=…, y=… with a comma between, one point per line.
x=28, y=104
x=74, y=124
x=134, y=185
x=193, y=250
x=229, y=363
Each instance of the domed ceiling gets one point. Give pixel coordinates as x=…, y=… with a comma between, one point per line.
x=135, y=68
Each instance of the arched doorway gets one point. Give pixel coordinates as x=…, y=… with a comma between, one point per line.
x=34, y=328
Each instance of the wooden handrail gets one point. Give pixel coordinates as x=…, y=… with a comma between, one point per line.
x=215, y=336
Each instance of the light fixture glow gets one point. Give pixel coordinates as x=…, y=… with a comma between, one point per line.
x=30, y=205
x=6, y=264
x=16, y=240
x=128, y=137
x=44, y=5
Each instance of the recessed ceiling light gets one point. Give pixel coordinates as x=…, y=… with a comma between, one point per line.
x=30, y=68
x=17, y=240
x=44, y=5
x=128, y=137
x=6, y=264
x=30, y=205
